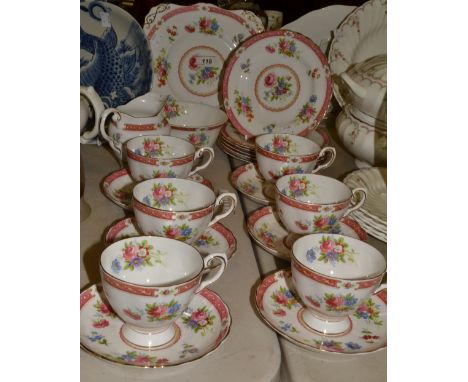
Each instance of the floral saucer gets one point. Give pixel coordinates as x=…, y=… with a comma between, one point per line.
x=215, y=239
x=281, y=308
x=277, y=82
x=118, y=187
x=203, y=327
x=248, y=181
x=264, y=226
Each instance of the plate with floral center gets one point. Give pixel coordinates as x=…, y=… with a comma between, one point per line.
x=190, y=44
x=277, y=81
x=201, y=329
x=265, y=228
x=280, y=307
x=118, y=187
x=215, y=239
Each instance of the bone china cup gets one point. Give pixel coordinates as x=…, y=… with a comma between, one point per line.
x=155, y=156
x=143, y=115
x=149, y=282
x=195, y=122
x=307, y=202
x=179, y=209
x=334, y=276
x=283, y=154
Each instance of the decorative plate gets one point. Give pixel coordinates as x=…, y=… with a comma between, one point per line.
x=203, y=327
x=265, y=228
x=115, y=58
x=281, y=308
x=118, y=187
x=362, y=34
x=215, y=239
x=190, y=44
x=277, y=81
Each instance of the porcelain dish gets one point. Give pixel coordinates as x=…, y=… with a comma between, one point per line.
x=265, y=228
x=189, y=46
x=280, y=307
x=201, y=329
x=276, y=82
x=362, y=34
x=115, y=58
x=216, y=238
x=118, y=187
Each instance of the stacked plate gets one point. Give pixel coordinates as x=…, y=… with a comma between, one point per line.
x=372, y=216
x=239, y=147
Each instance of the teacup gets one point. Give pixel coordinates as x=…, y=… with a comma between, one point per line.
x=180, y=209
x=334, y=275
x=155, y=156
x=149, y=282
x=195, y=122
x=143, y=115
x=311, y=203
x=283, y=154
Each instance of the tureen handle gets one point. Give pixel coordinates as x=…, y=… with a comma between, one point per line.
x=98, y=107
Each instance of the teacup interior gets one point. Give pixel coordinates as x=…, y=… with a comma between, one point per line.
x=151, y=261
x=198, y=115
x=287, y=144
x=160, y=147
x=311, y=188
x=147, y=105
x=173, y=194
x=339, y=256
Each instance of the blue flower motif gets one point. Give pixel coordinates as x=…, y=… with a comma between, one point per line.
x=310, y=255
x=116, y=267
x=332, y=256
x=332, y=220
x=352, y=345
x=286, y=326
x=186, y=231
x=335, y=230
x=201, y=242
x=136, y=261
x=127, y=357
x=288, y=294
x=173, y=309
x=147, y=201
x=96, y=337
x=313, y=99
x=350, y=301
x=214, y=26
x=362, y=314
x=292, y=47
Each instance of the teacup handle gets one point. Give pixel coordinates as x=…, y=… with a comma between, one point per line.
x=102, y=128
x=98, y=107
x=219, y=201
x=329, y=162
x=357, y=205
x=199, y=154
x=206, y=266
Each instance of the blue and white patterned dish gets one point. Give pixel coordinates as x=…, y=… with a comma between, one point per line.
x=114, y=54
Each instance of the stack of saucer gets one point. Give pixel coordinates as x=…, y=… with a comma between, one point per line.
x=372, y=216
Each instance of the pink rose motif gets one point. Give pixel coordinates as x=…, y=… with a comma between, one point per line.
x=270, y=80
x=294, y=184
x=323, y=222
x=283, y=45
x=157, y=311
x=335, y=301
x=204, y=24
x=281, y=299
x=142, y=360
x=327, y=246
x=102, y=323
x=270, y=49
x=162, y=361
x=193, y=63
x=279, y=312
x=173, y=232
x=190, y=28
x=194, y=139
x=104, y=309
x=200, y=317
x=159, y=192
x=338, y=249
x=131, y=252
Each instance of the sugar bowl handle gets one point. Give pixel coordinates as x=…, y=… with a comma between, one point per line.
x=199, y=154
x=209, y=279
x=357, y=205
x=219, y=201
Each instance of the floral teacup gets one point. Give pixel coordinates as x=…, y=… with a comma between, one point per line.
x=283, y=154
x=176, y=208
x=195, y=122
x=155, y=156
x=311, y=203
x=143, y=115
x=149, y=282
x=334, y=276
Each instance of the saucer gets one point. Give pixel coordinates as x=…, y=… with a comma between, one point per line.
x=118, y=187
x=281, y=309
x=264, y=226
x=247, y=180
x=215, y=239
x=203, y=327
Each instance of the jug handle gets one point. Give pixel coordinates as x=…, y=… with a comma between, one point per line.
x=98, y=107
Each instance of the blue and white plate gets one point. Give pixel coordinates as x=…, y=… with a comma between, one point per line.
x=115, y=57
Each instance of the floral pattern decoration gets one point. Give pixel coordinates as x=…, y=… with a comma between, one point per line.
x=285, y=47
x=139, y=359
x=307, y=111
x=200, y=320
x=269, y=128
x=163, y=195
x=339, y=302
x=99, y=338
x=369, y=311
x=162, y=312
x=137, y=255
x=332, y=250
x=265, y=235
x=280, y=87
x=164, y=174
x=198, y=139
x=249, y=186
x=243, y=106
x=172, y=32
x=299, y=187
x=188, y=349
x=182, y=232
x=153, y=147
x=281, y=145
x=283, y=298
x=171, y=109
x=203, y=74
x=206, y=240
x=287, y=327
x=321, y=224
x=162, y=67
x=246, y=66
x=124, y=194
